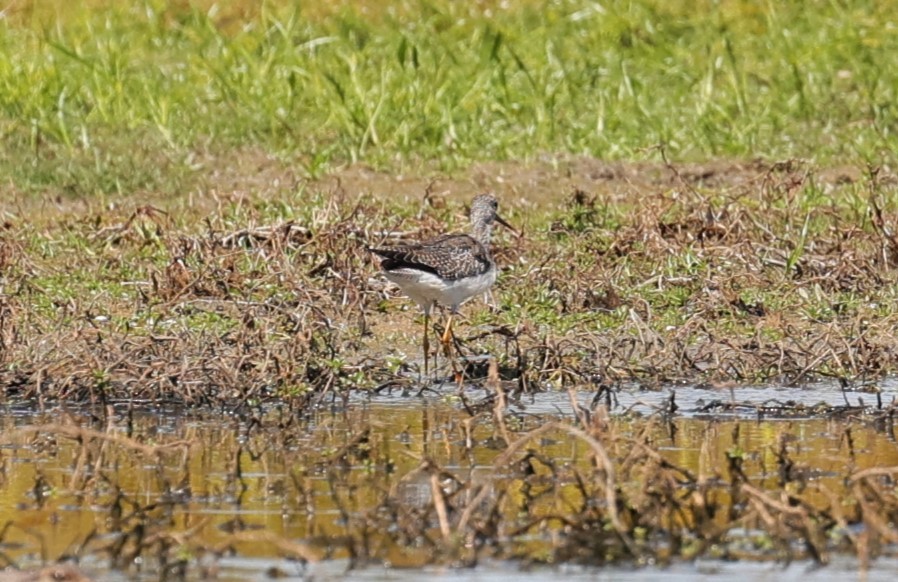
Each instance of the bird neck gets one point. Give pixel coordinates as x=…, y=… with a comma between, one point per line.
x=481, y=231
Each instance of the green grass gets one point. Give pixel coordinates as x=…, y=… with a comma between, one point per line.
x=121, y=98
x=201, y=114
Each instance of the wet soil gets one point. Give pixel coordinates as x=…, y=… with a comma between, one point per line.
x=747, y=272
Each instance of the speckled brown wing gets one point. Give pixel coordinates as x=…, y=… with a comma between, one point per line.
x=451, y=257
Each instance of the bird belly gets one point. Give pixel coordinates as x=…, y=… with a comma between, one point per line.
x=457, y=292
x=425, y=288
x=418, y=285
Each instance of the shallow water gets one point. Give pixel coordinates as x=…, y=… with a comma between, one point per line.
x=239, y=489
x=842, y=569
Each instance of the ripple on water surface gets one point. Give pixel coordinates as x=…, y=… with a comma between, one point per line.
x=237, y=494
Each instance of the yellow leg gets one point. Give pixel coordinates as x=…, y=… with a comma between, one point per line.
x=446, y=340
x=426, y=342
x=447, y=335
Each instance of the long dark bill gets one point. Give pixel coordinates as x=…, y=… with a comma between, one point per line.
x=502, y=221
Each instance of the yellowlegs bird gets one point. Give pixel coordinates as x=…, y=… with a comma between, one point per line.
x=449, y=269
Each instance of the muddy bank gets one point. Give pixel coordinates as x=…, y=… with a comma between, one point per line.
x=748, y=273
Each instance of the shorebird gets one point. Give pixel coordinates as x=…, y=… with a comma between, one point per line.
x=449, y=269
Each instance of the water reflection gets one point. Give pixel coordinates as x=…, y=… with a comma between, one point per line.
x=135, y=486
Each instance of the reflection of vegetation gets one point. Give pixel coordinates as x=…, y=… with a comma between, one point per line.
x=423, y=483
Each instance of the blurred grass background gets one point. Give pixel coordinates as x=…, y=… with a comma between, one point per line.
x=119, y=96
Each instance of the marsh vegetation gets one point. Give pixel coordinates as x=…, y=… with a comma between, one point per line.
x=200, y=362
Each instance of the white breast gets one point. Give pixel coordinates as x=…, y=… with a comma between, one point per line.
x=426, y=288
